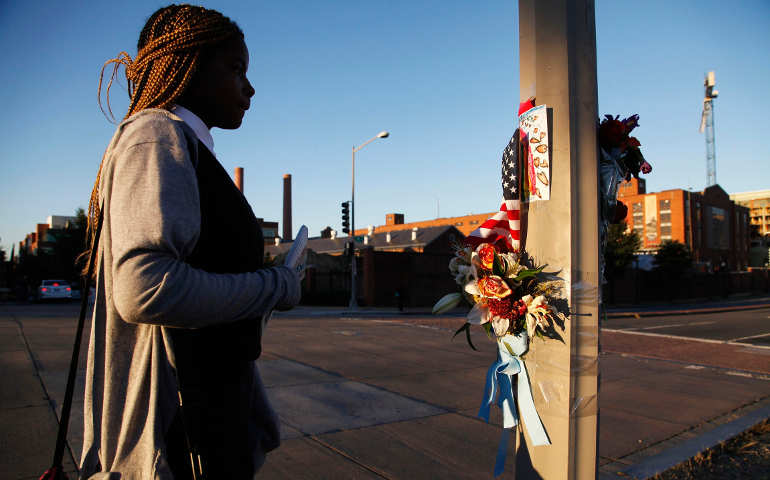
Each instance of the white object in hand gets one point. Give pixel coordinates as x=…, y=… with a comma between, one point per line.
x=296, y=256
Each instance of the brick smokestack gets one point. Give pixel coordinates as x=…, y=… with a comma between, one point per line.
x=239, y=178
x=287, y=237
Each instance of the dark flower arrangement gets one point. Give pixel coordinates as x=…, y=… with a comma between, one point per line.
x=614, y=138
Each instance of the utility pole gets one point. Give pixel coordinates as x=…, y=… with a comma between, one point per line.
x=557, y=65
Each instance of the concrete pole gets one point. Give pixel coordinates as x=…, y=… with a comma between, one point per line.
x=558, y=66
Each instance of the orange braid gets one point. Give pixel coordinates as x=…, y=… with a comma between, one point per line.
x=168, y=55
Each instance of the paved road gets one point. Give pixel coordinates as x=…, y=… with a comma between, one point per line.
x=750, y=327
x=393, y=397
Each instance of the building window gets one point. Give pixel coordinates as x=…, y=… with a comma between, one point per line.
x=459, y=224
x=637, y=208
x=665, y=218
x=718, y=228
x=665, y=205
x=665, y=231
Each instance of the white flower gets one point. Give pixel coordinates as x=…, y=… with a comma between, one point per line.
x=464, y=272
x=447, y=302
x=472, y=288
x=512, y=265
x=537, y=313
x=478, y=315
x=454, y=265
x=500, y=325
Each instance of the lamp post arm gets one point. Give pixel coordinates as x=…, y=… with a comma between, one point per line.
x=355, y=149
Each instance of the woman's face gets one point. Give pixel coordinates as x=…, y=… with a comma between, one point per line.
x=220, y=93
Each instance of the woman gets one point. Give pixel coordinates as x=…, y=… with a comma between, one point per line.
x=181, y=296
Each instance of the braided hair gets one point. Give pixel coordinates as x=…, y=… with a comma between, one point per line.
x=169, y=52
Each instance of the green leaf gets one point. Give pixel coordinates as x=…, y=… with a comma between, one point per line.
x=488, y=328
x=508, y=347
x=465, y=326
x=468, y=337
x=497, y=266
x=528, y=273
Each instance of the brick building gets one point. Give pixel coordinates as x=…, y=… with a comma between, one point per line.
x=395, y=268
x=758, y=203
x=395, y=221
x=433, y=240
x=43, y=238
x=269, y=231
x=714, y=227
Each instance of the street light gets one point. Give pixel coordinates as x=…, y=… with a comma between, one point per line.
x=353, y=302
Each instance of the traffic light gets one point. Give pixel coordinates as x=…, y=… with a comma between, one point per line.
x=345, y=217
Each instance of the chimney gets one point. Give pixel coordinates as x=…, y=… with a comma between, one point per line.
x=387, y=237
x=287, y=207
x=414, y=234
x=239, y=178
x=370, y=230
x=394, y=219
x=333, y=234
x=277, y=241
x=366, y=240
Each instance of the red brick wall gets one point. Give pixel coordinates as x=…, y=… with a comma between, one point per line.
x=466, y=224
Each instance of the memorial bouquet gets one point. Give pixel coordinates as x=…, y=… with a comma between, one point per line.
x=512, y=299
x=620, y=157
x=615, y=140
x=509, y=295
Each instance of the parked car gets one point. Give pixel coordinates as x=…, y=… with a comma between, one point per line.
x=54, y=289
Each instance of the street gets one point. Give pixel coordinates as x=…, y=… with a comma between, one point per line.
x=383, y=395
x=750, y=327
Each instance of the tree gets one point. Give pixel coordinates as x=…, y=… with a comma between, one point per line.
x=621, y=246
x=673, y=258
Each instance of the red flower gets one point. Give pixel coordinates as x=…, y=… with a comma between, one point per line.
x=500, y=307
x=646, y=167
x=634, y=142
x=506, y=308
x=493, y=286
x=487, y=255
x=612, y=133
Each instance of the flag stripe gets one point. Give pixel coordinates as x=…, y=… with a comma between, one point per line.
x=505, y=224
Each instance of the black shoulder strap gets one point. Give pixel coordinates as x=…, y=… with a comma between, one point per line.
x=67, y=405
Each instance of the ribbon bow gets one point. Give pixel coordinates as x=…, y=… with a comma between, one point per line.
x=500, y=378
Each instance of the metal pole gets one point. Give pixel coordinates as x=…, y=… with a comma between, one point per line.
x=353, y=302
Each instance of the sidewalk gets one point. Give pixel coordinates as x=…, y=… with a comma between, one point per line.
x=379, y=395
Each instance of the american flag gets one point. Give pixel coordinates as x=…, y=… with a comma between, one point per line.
x=504, y=225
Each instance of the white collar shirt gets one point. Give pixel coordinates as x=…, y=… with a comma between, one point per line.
x=194, y=122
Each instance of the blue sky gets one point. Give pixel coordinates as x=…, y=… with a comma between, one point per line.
x=441, y=76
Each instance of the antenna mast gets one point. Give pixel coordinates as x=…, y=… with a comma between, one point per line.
x=707, y=124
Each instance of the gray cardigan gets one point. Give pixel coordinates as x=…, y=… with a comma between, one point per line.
x=151, y=223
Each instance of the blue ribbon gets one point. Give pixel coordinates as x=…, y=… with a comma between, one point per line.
x=500, y=378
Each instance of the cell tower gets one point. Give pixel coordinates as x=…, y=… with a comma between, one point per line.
x=707, y=124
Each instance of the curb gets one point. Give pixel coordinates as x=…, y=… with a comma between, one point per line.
x=674, y=456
